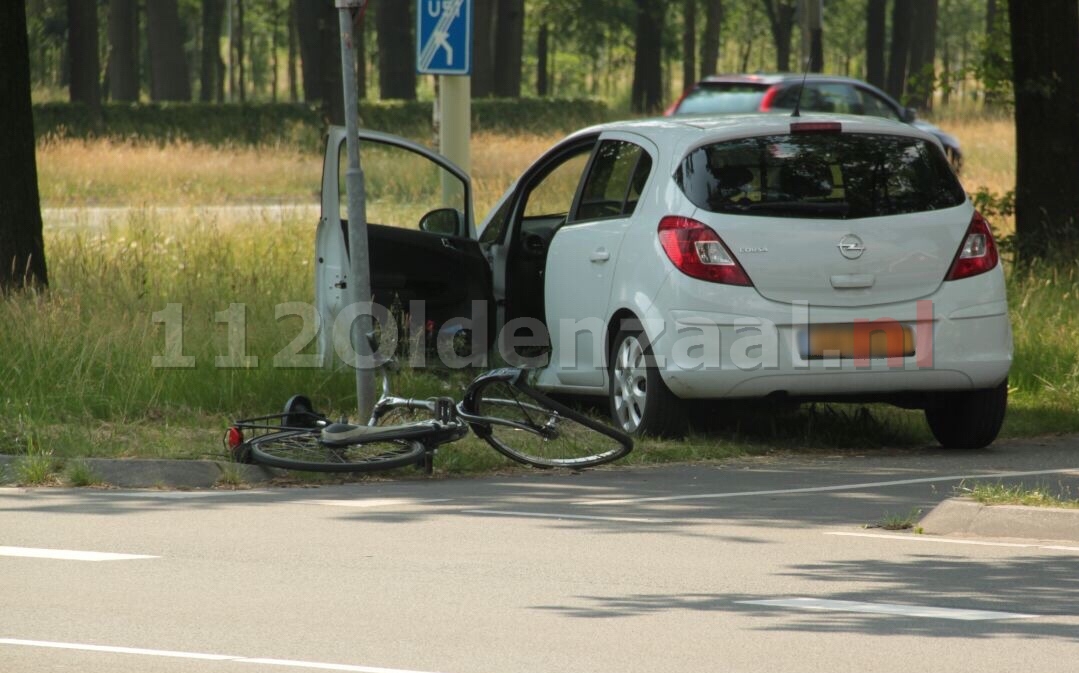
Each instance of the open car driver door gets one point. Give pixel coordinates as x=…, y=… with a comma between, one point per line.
x=421, y=237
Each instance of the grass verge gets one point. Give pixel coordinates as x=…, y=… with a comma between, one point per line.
x=1039, y=495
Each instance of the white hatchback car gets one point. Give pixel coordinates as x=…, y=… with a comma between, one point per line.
x=821, y=257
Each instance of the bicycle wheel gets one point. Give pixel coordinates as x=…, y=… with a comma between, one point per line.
x=304, y=450
x=529, y=427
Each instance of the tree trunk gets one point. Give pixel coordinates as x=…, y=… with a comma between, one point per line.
x=211, y=64
x=647, y=93
x=1045, y=57
x=923, y=53
x=875, y=35
x=85, y=85
x=22, y=247
x=165, y=39
x=123, y=50
x=994, y=63
x=293, y=74
x=320, y=52
x=542, y=57
x=394, y=25
x=509, y=48
x=713, y=23
x=483, y=48
x=781, y=15
x=238, y=46
x=689, y=44
x=899, y=57
x=815, y=23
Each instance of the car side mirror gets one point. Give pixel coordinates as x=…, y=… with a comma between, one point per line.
x=443, y=222
x=909, y=115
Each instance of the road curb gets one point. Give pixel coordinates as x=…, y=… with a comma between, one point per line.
x=962, y=516
x=154, y=473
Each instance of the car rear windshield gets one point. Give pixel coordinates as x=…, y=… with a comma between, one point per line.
x=723, y=98
x=820, y=175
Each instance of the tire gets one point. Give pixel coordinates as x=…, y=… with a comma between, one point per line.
x=544, y=433
x=304, y=450
x=969, y=420
x=640, y=402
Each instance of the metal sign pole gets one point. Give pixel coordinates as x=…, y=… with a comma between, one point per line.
x=359, y=265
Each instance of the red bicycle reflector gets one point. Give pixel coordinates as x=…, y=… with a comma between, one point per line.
x=234, y=437
x=816, y=127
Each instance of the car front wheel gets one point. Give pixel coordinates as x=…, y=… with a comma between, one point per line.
x=968, y=420
x=641, y=403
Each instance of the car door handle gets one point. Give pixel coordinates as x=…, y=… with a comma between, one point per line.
x=599, y=256
x=447, y=243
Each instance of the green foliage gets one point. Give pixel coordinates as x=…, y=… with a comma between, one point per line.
x=300, y=124
x=995, y=206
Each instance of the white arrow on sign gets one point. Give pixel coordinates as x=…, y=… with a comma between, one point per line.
x=439, y=36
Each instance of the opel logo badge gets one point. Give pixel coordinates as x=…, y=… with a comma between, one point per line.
x=851, y=247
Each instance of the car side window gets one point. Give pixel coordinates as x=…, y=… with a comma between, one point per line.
x=405, y=189
x=614, y=181
x=875, y=106
x=553, y=195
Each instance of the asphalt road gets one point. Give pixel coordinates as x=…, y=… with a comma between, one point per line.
x=760, y=565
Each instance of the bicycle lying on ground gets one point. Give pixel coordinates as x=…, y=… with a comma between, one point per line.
x=499, y=406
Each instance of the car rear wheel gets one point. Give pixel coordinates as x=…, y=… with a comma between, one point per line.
x=969, y=420
x=641, y=403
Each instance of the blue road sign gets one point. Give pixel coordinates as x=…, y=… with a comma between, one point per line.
x=444, y=37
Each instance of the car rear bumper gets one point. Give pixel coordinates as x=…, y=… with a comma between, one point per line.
x=962, y=341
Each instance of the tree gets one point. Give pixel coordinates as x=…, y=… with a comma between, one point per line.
x=22, y=247
x=875, y=31
x=123, y=65
x=543, y=57
x=689, y=44
x=923, y=54
x=320, y=52
x=647, y=93
x=509, y=48
x=483, y=48
x=165, y=40
x=899, y=55
x=1045, y=62
x=396, y=50
x=212, y=67
x=713, y=23
x=781, y=20
x=85, y=85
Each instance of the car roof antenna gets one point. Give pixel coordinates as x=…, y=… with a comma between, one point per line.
x=801, y=87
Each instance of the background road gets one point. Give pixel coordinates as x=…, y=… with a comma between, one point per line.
x=760, y=565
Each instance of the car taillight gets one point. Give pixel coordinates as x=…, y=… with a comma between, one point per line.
x=978, y=252
x=769, y=98
x=698, y=251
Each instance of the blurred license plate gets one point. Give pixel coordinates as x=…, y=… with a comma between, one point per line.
x=883, y=341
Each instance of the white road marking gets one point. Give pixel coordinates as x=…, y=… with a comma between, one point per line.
x=952, y=540
x=821, y=489
x=371, y=502
x=108, y=649
x=888, y=609
x=69, y=554
x=552, y=515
